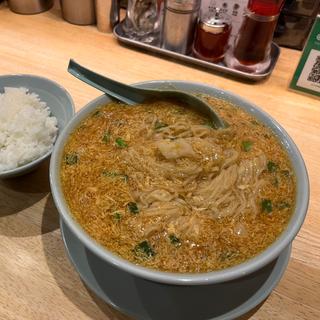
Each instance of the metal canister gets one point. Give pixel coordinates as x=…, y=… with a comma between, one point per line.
x=81, y=12
x=180, y=17
x=29, y=7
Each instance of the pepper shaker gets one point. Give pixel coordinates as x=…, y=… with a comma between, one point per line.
x=180, y=17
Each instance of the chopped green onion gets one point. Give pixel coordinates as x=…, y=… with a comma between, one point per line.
x=121, y=143
x=158, y=125
x=106, y=137
x=133, y=208
x=98, y=113
x=117, y=216
x=71, y=158
x=145, y=249
x=247, y=145
x=227, y=254
x=113, y=174
x=266, y=205
x=211, y=124
x=174, y=240
x=255, y=122
x=286, y=173
x=107, y=173
x=272, y=167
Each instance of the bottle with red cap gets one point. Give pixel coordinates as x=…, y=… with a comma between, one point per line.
x=251, y=49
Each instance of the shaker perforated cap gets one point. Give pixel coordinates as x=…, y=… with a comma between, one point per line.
x=215, y=21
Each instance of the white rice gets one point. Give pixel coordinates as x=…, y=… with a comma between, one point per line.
x=27, y=131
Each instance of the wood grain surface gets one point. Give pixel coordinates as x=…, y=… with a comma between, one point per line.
x=37, y=281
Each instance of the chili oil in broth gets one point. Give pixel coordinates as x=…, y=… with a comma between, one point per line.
x=157, y=185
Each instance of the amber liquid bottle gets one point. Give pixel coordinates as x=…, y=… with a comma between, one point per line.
x=251, y=50
x=253, y=45
x=212, y=35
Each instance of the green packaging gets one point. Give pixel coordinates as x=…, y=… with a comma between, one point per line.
x=307, y=75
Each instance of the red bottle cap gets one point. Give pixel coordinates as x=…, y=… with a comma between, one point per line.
x=265, y=7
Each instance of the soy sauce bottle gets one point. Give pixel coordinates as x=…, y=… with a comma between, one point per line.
x=252, y=46
x=212, y=35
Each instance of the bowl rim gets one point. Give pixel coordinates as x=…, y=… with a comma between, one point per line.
x=35, y=162
x=228, y=274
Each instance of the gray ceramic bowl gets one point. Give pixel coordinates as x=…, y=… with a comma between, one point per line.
x=58, y=100
x=157, y=279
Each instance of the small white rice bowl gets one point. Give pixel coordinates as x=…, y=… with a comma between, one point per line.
x=27, y=129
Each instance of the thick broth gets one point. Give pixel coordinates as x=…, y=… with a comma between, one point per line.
x=157, y=185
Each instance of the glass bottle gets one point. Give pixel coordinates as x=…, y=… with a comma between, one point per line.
x=142, y=22
x=212, y=35
x=252, y=46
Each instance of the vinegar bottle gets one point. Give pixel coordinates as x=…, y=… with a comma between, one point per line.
x=251, y=49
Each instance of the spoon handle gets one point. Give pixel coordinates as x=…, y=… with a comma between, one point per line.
x=132, y=95
x=115, y=89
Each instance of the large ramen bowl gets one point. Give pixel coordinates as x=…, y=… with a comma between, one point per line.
x=149, y=294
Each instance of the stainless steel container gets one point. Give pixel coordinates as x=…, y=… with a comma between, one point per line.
x=180, y=17
x=29, y=6
x=80, y=12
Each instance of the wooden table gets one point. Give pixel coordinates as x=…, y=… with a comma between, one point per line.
x=37, y=281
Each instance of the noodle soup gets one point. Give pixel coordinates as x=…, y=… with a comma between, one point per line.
x=159, y=186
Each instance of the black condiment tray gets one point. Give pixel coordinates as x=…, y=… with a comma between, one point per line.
x=218, y=67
